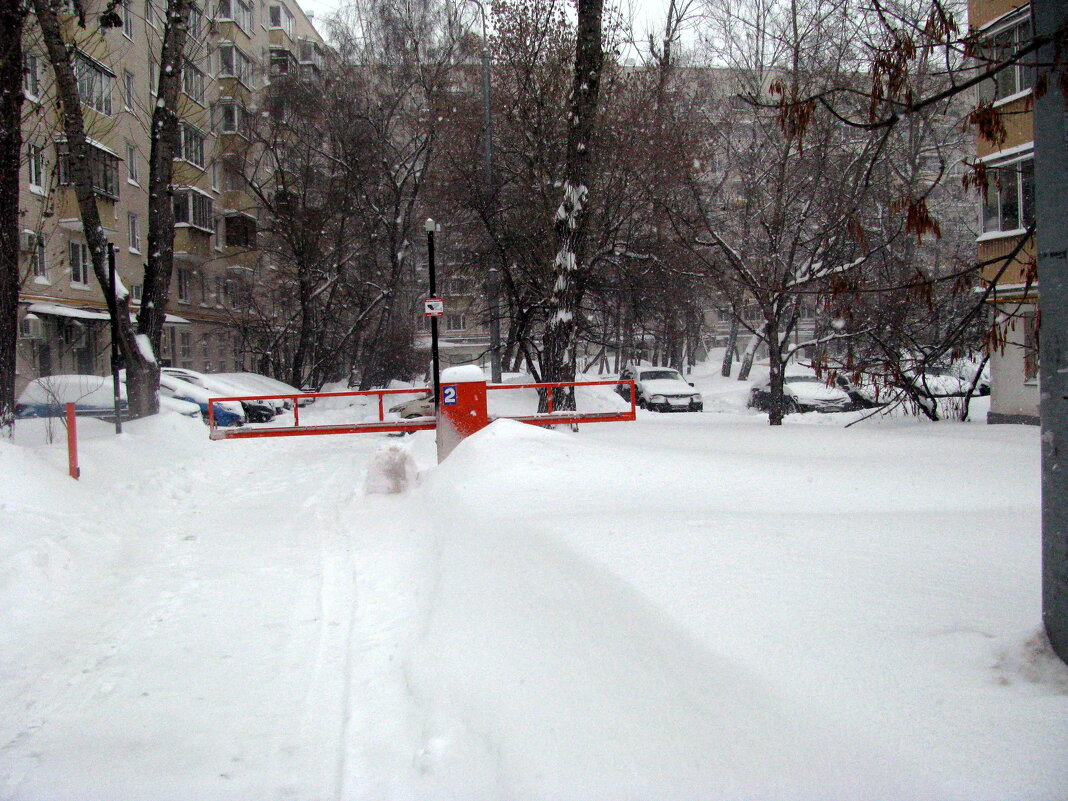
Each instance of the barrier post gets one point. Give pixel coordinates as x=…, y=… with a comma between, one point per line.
x=462, y=406
x=72, y=442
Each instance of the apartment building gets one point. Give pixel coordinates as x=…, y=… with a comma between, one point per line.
x=236, y=48
x=1008, y=209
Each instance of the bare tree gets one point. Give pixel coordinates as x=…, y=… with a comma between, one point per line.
x=143, y=372
x=565, y=297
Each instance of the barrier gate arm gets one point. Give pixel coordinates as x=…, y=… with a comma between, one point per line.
x=381, y=425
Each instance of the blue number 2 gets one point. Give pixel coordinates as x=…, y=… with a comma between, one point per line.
x=448, y=395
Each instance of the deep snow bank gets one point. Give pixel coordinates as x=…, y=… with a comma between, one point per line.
x=544, y=676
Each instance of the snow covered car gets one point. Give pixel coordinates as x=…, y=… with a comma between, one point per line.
x=92, y=396
x=803, y=393
x=660, y=389
x=226, y=413
x=265, y=385
x=256, y=411
x=422, y=406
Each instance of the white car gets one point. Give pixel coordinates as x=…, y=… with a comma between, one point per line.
x=265, y=385
x=660, y=389
x=417, y=407
x=226, y=413
x=802, y=393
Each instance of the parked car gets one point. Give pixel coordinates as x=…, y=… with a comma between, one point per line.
x=660, y=389
x=268, y=386
x=256, y=411
x=92, y=396
x=422, y=406
x=802, y=393
x=226, y=413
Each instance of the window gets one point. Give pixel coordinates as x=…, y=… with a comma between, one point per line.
x=80, y=262
x=153, y=78
x=127, y=90
x=455, y=322
x=185, y=347
x=191, y=144
x=31, y=78
x=94, y=83
x=280, y=17
x=35, y=165
x=216, y=232
x=234, y=64
x=135, y=232
x=184, y=280
x=103, y=164
x=215, y=176
x=196, y=20
x=135, y=293
x=1009, y=197
x=280, y=63
x=39, y=258
x=150, y=13
x=230, y=117
x=220, y=290
x=238, y=11
x=192, y=208
x=193, y=82
x=240, y=231
x=1012, y=80
x=127, y=20
x=132, y=168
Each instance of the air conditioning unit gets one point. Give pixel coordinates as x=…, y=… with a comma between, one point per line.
x=28, y=242
x=31, y=327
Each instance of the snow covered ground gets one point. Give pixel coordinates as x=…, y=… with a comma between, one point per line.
x=684, y=607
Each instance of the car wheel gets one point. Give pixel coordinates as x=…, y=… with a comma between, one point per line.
x=792, y=406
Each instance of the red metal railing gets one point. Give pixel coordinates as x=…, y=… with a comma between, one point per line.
x=381, y=425
x=553, y=417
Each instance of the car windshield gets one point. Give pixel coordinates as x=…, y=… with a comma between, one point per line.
x=803, y=379
x=653, y=375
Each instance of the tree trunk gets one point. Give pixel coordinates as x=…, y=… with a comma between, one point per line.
x=750, y=354
x=11, y=18
x=776, y=370
x=66, y=88
x=558, y=345
x=732, y=344
x=142, y=376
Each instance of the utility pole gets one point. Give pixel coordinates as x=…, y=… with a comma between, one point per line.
x=431, y=229
x=1050, y=19
x=494, y=283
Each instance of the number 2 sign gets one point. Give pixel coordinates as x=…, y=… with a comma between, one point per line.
x=448, y=395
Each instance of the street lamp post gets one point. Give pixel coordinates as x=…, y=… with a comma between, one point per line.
x=431, y=228
x=494, y=283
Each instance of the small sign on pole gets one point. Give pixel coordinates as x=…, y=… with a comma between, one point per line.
x=433, y=307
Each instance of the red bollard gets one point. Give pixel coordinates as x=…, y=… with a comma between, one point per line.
x=72, y=442
x=461, y=407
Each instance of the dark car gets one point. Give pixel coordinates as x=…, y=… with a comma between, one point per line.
x=802, y=393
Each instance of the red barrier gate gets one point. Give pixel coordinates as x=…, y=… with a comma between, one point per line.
x=381, y=425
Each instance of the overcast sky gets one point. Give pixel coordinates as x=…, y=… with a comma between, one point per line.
x=646, y=12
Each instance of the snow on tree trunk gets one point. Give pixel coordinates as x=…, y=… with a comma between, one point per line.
x=750, y=354
x=732, y=345
x=11, y=17
x=143, y=375
x=558, y=344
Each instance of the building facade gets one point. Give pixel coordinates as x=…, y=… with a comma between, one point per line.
x=235, y=49
x=1008, y=210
